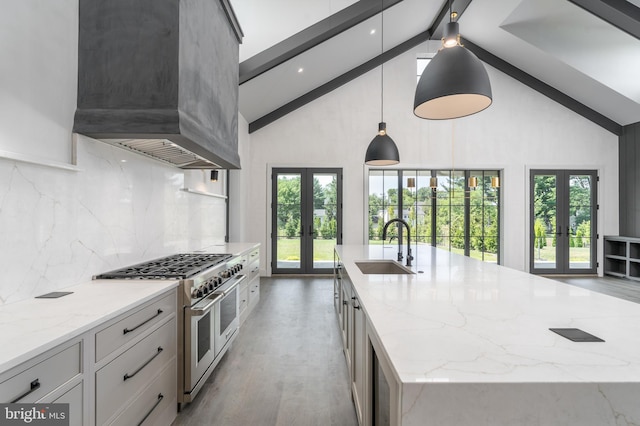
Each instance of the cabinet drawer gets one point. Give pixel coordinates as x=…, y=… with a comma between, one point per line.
x=116, y=335
x=156, y=399
x=254, y=271
x=254, y=255
x=254, y=292
x=118, y=381
x=43, y=377
x=244, y=297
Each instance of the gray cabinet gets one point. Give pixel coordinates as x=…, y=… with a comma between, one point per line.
x=122, y=371
x=136, y=370
x=250, y=288
x=55, y=376
x=358, y=356
x=375, y=389
x=36, y=379
x=352, y=322
x=622, y=257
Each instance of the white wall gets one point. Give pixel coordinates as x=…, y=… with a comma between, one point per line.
x=59, y=227
x=238, y=182
x=521, y=130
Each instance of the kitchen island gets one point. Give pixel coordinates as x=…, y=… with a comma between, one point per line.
x=463, y=342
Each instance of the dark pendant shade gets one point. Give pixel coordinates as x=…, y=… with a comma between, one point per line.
x=454, y=84
x=382, y=150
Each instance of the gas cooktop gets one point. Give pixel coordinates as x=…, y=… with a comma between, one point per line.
x=177, y=266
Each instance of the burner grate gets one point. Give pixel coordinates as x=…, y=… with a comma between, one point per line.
x=177, y=266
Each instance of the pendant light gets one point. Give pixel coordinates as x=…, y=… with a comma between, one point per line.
x=455, y=83
x=473, y=183
x=382, y=150
x=433, y=184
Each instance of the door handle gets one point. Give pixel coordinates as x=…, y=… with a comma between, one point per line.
x=311, y=231
x=559, y=230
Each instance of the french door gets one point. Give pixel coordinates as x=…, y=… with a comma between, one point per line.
x=563, y=221
x=306, y=219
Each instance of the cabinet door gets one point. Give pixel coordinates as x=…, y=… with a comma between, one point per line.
x=345, y=323
x=74, y=398
x=358, y=356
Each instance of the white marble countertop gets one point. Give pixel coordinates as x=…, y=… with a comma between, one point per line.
x=33, y=326
x=459, y=320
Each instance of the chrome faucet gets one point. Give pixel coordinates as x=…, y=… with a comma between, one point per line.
x=384, y=237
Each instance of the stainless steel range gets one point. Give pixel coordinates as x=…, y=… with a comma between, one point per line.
x=208, y=301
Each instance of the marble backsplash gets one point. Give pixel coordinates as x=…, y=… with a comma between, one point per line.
x=59, y=227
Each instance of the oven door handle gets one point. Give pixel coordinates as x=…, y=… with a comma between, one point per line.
x=198, y=311
x=231, y=287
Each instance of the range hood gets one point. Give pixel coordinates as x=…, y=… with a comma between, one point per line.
x=160, y=77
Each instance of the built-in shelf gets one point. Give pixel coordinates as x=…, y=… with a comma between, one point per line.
x=208, y=194
x=23, y=158
x=622, y=257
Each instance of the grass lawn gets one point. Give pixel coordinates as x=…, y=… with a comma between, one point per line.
x=289, y=249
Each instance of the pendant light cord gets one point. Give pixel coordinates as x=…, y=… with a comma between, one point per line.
x=453, y=139
x=382, y=64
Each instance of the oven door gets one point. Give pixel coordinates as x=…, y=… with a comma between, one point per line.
x=199, y=350
x=227, y=317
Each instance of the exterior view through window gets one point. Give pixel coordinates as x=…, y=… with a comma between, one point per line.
x=440, y=207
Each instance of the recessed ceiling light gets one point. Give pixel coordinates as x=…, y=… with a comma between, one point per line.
x=373, y=31
x=300, y=70
x=123, y=161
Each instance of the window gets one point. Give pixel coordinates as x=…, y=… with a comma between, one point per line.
x=421, y=64
x=450, y=215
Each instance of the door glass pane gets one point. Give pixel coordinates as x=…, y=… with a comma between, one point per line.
x=457, y=211
x=423, y=197
x=383, y=203
x=580, y=222
x=544, y=222
x=409, y=194
x=288, y=208
x=443, y=209
x=325, y=212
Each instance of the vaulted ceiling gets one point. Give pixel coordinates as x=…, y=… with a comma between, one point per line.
x=584, y=54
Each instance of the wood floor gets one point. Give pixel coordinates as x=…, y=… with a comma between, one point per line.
x=285, y=368
x=616, y=287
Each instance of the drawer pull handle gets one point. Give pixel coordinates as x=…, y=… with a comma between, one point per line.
x=35, y=385
x=129, y=330
x=160, y=398
x=128, y=376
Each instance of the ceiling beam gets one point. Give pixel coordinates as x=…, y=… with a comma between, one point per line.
x=310, y=37
x=544, y=88
x=437, y=25
x=619, y=13
x=337, y=82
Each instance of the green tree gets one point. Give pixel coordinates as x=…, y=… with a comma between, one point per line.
x=288, y=211
x=545, y=198
x=585, y=231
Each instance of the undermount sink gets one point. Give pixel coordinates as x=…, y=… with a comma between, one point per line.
x=382, y=267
